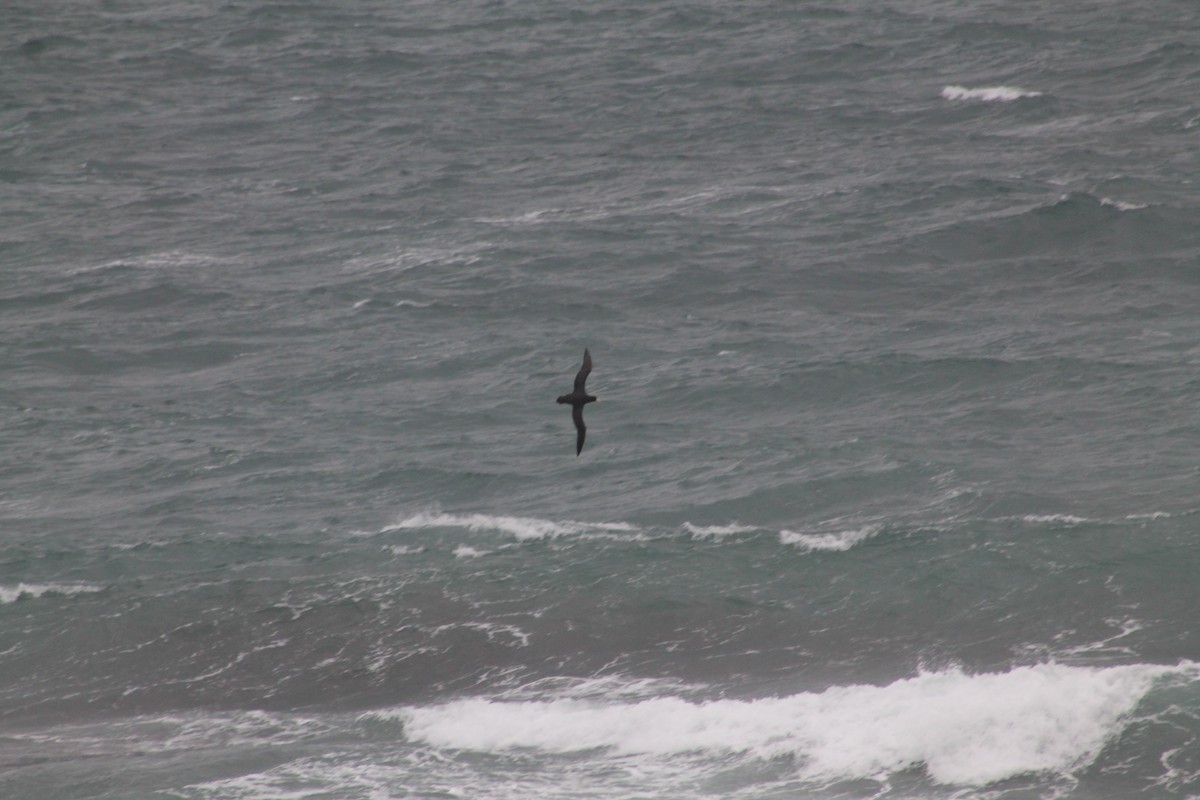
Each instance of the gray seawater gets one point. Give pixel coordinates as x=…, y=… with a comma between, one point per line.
x=890, y=491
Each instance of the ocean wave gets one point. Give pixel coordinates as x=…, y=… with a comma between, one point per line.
x=533, y=528
x=183, y=732
x=10, y=594
x=987, y=94
x=403, y=549
x=1071, y=520
x=466, y=551
x=963, y=729
x=1121, y=205
x=1054, y=519
x=411, y=258
x=600, y=688
x=491, y=630
x=716, y=531
x=1151, y=515
x=164, y=260
x=838, y=541
x=520, y=527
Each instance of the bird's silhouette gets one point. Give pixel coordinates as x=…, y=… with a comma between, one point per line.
x=578, y=399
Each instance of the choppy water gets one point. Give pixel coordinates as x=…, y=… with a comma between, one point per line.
x=890, y=490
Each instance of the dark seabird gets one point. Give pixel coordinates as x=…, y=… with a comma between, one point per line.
x=578, y=399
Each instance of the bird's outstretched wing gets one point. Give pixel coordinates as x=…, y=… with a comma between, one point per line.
x=581, y=378
x=577, y=416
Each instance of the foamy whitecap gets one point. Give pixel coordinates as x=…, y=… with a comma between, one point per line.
x=535, y=217
x=9, y=594
x=165, y=260
x=403, y=549
x=1152, y=515
x=839, y=541
x=520, y=527
x=1121, y=205
x=962, y=729
x=1054, y=519
x=716, y=531
x=987, y=94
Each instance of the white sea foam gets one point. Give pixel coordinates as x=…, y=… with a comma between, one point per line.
x=466, y=551
x=1070, y=520
x=603, y=688
x=1151, y=515
x=987, y=94
x=403, y=549
x=1054, y=519
x=246, y=728
x=534, y=217
x=716, y=531
x=490, y=629
x=9, y=594
x=165, y=260
x=520, y=527
x=838, y=541
x=1121, y=205
x=168, y=732
x=962, y=729
x=413, y=257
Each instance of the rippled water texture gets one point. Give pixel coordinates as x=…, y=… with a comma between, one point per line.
x=889, y=491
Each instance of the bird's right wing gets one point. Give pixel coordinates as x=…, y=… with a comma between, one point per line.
x=577, y=416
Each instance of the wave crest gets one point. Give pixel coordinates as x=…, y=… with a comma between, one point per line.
x=10, y=594
x=963, y=729
x=988, y=94
x=838, y=542
x=520, y=527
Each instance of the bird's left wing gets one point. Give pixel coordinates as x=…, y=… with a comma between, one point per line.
x=584, y=371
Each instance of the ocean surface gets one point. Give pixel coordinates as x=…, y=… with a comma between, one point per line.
x=892, y=489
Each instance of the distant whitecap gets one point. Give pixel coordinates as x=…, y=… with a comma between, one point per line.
x=1054, y=519
x=988, y=94
x=519, y=527
x=716, y=531
x=839, y=541
x=1152, y=515
x=9, y=594
x=1121, y=205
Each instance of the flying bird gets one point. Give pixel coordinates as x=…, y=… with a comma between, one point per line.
x=578, y=399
